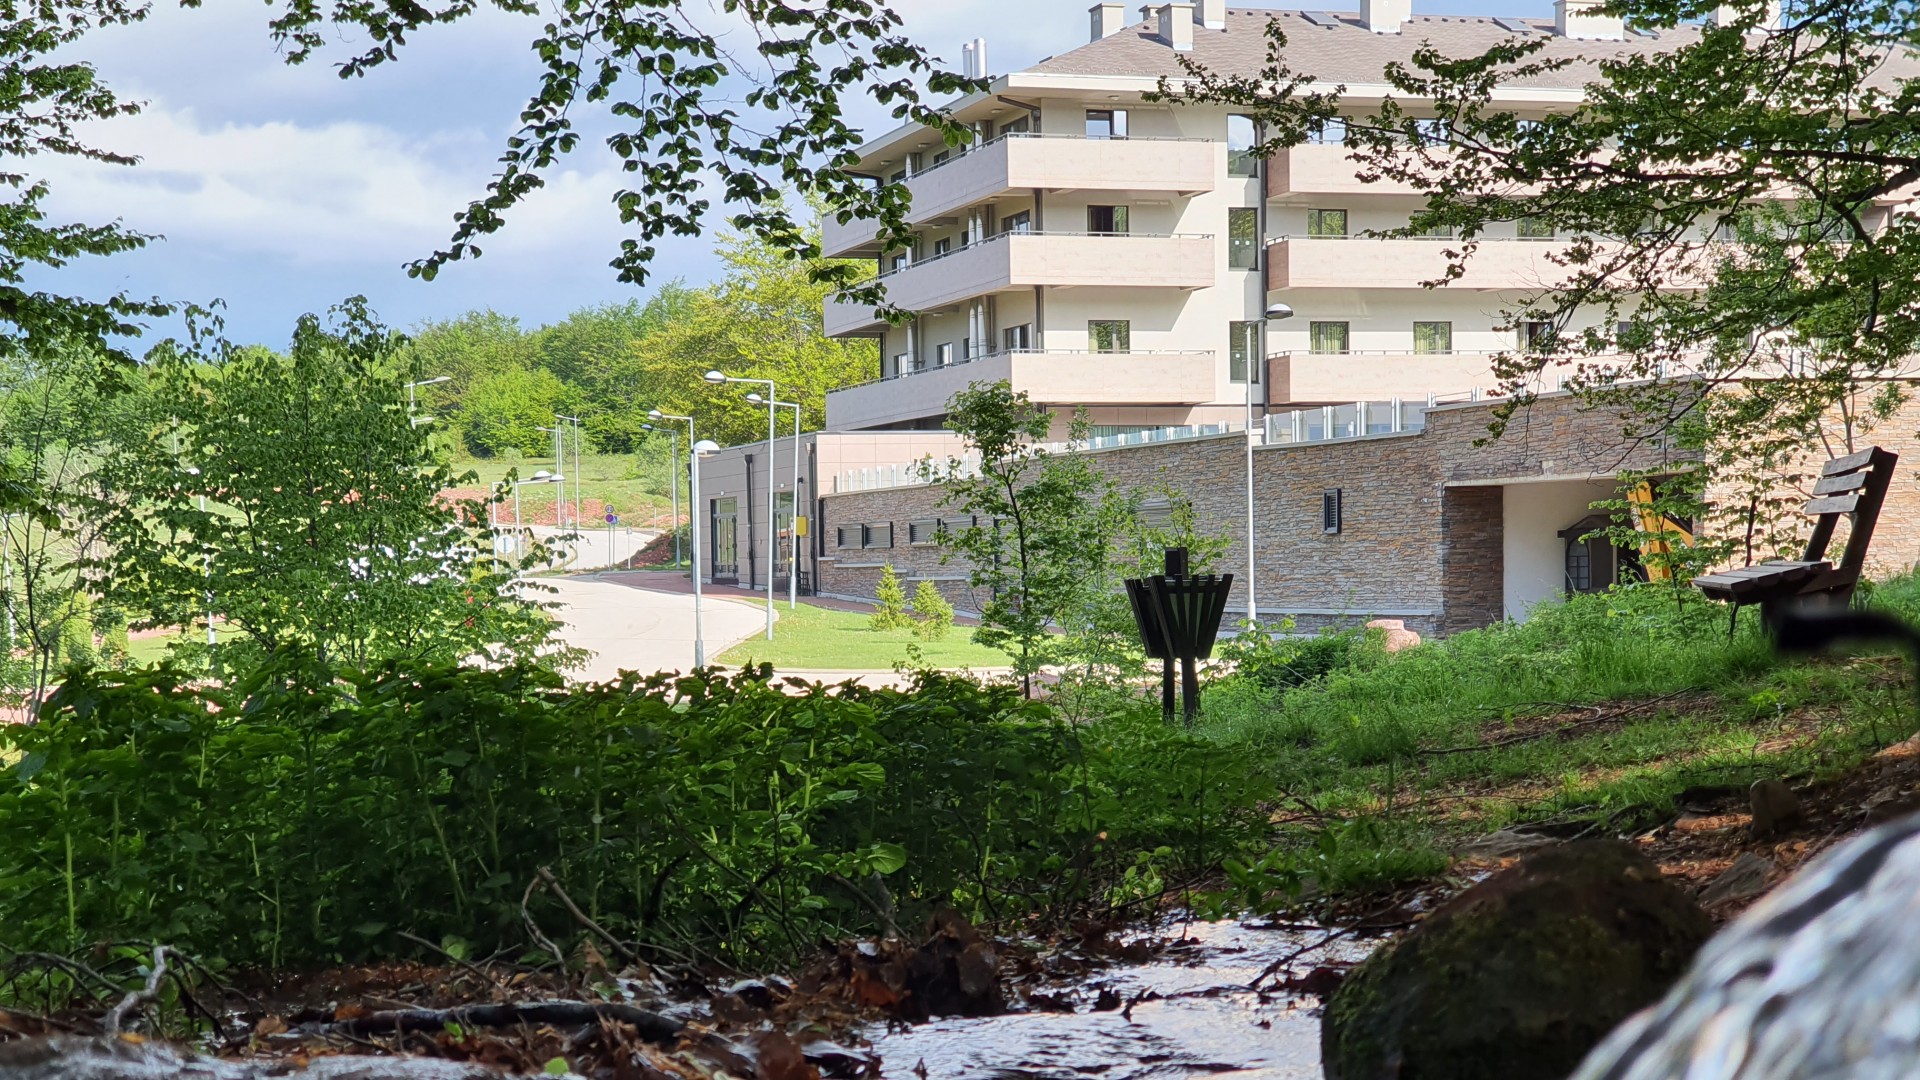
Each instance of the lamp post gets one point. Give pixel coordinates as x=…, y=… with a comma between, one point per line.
x=673, y=484
x=410, y=399
x=693, y=492
x=541, y=477
x=575, y=421
x=559, y=501
x=1274, y=313
x=793, y=548
x=718, y=378
x=704, y=446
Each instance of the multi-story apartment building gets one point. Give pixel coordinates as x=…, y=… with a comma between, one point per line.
x=1098, y=249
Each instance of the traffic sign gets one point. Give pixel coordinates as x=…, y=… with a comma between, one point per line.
x=613, y=518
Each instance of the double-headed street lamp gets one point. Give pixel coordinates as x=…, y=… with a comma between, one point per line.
x=718, y=378
x=1275, y=312
x=437, y=380
x=793, y=548
x=673, y=480
x=699, y=449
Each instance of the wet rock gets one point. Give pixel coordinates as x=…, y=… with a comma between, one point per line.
x=1518, y=977
x=1776, y=809
x=1394, y=634
x=1746, y=878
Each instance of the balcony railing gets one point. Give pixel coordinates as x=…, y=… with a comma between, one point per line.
x=932, y=369
x=1047, y=376
x=912, y=473
x=1001, y=236
x=966, y=150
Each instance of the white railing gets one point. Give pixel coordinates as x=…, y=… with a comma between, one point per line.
x=1328, y=423
x=913, y=473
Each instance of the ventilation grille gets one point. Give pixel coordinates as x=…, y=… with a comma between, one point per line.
x=1330, y=510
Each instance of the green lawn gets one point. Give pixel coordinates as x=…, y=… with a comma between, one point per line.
x=609, y=478
x=817, y=638
x=150, y=650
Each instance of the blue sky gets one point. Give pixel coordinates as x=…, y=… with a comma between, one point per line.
x=281, y=190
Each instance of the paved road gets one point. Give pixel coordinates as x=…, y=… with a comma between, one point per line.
x=643, y=630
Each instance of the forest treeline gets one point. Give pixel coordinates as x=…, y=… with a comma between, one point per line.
x=609, y=365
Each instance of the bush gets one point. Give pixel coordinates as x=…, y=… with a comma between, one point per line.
x=891, y=610
x=936, y=615
x=289, y=818
x=1278, y=663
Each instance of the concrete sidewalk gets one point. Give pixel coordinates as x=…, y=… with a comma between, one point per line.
x=643, y=630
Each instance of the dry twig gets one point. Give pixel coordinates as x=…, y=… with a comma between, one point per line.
x=142, y=996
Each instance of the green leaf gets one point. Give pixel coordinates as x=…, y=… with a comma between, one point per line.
x=557, y=1067
x=370, y=929
x=31, y=765
x=885, y=858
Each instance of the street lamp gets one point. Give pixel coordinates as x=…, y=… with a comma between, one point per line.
x=541, y=477
x=673, y=483
x=793, y=524
x=1274, y=313
x=693, y=491
x=410, y=388
x=718, y=378
x=575, y=421
x=704, y=446
x=559, y=502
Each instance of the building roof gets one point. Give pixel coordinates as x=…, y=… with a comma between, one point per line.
x=1337, y=47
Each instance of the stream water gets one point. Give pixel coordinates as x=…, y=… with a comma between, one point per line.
x=1198, y=1019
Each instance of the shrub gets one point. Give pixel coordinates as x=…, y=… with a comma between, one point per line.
x=891, y=610
x=291, y=818
x=936, y=615
x=1278, y=663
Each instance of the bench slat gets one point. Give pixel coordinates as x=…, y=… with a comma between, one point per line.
x=1836, y=504
x=1835, y=485
x=1847, y=464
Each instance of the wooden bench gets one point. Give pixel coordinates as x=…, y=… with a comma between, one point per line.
x=1854, y=486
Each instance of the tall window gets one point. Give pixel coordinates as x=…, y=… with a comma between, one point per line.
x=1329, y=132
x=1242, y=137
x=942, y=246
x=1243, y=238
x=1018, y=125
x=1021, y=222
x=1533, y=228
x=944, y=354
x=1327, y=337
x=1017, y=337
x=1106, y=123
x=1107, y=220
x=1326, y=223
x=1432, y=337
x=898, y=262
x=1110, y=335
x=901, y=363
x=1243, y=351
x=1536, y=337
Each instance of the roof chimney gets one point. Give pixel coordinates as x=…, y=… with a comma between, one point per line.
x=1385, y=16
x=1108, y=19
x=973, y=57
x=1211, y=14
x=1584, y=19
x=1728, y=14
x=1176, y=26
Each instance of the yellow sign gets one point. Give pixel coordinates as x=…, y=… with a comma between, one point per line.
x=800, y=526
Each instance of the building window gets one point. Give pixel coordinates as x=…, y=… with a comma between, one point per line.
x=1431, y=338
x=941, y=157
x=1536, y=337
x=1110, y=335
x=1107, y=220
x=880, y=536
x=1016, y=338
x=1155, y=513
x=898, y=177
x=1329, y=132
x=1021, y=222
x=901, y=362
x=852, y=536
x=943, y=355
x=1433, y=132
x=1019, y=125
x=1327, y=337
x=897, y=262
x=1106, y=123
x=1243, y=351
x=1331, y=511
x=1326, y=223
x=1242, y=136
x=923, y=531
x=1434, y=232
x=1243, y=238
x=942, y=246
x=1533, y=228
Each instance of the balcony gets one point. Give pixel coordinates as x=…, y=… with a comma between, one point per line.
x=1055, y=377
x=1303, y=378
x=1316, y=169
x=1340, y=262
x=1027, y=162
x=1023, y=260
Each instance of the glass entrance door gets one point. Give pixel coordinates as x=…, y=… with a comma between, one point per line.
x=726, y=540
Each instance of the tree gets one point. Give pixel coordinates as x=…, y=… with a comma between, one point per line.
x=757, y=121
x=1727, y=205
x=505, y=410
x=890, y=607
x=1045, y=523
x=762, y=320
x=598, y=351
x=293, y=497
x=936, y=615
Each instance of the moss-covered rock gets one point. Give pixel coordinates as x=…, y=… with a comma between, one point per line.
x=1518, y=977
